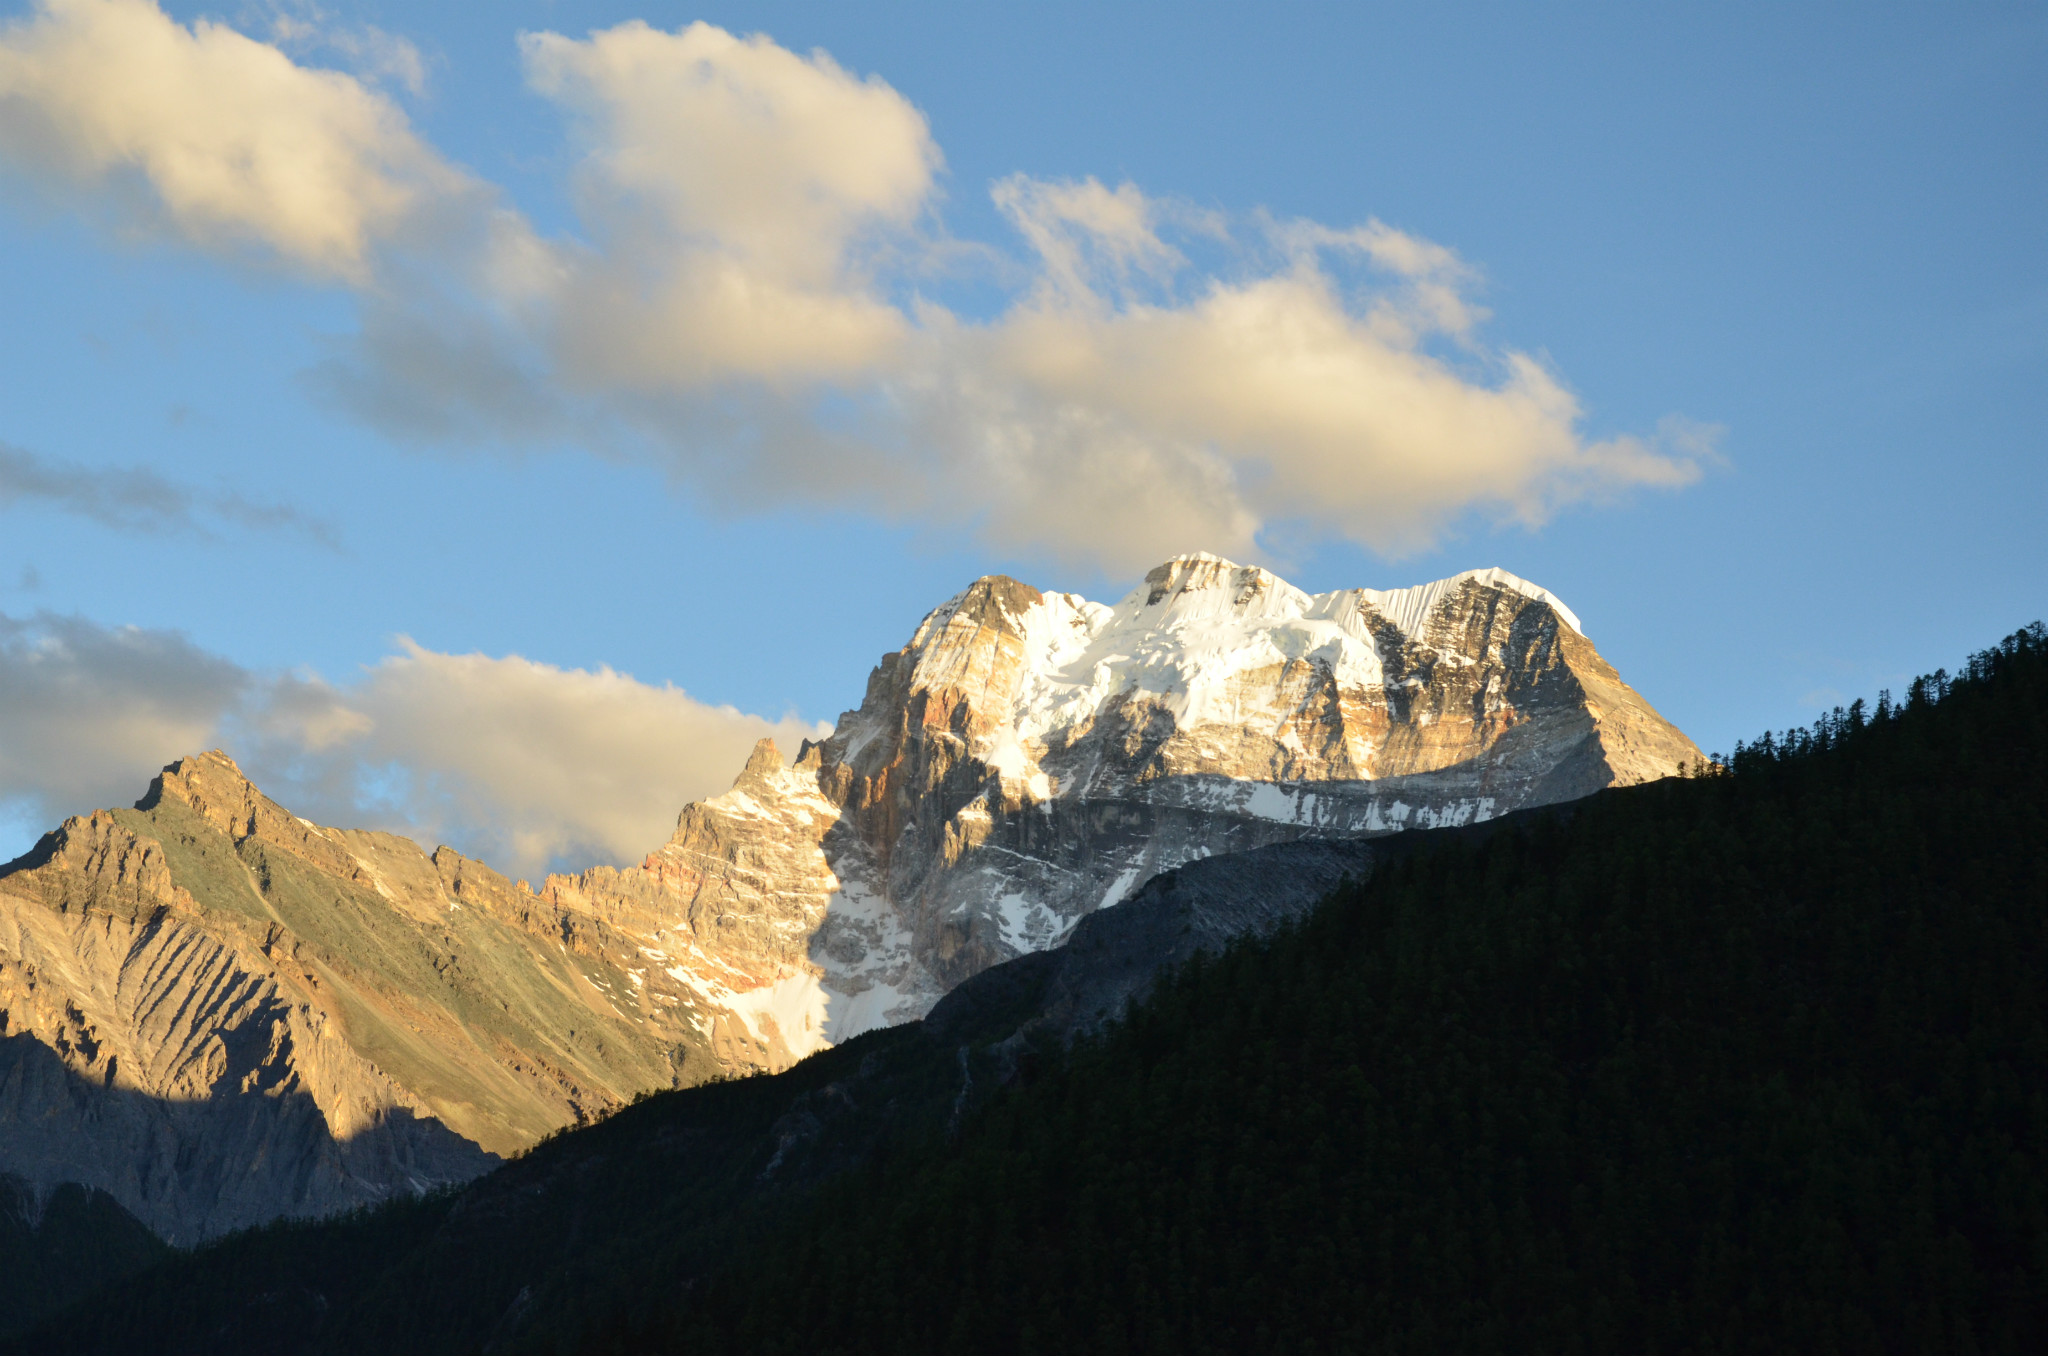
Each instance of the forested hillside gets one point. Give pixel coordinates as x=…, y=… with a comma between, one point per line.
x=1755, y=1059
x=59, y=1245
x=1752, y=1060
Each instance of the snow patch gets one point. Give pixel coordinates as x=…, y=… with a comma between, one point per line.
x=1183, y=642
x=877, y=1005
x=1119, y=887
x=792, y=1007
x=1269, y=801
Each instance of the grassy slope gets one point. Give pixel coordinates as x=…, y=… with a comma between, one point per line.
x=441, y=1007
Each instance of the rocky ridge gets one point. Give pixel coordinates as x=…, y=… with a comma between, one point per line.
x=220, y=1013
x=1028, y=758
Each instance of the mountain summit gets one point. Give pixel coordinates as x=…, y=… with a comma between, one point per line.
x=220, y=1013
x=1030, y=757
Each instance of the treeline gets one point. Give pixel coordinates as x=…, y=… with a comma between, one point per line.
x=1845, y=724
x=1754, y=1061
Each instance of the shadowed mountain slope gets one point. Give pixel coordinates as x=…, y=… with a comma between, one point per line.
x=1746, y=1061
x=1029, y=758
x=221, y=1013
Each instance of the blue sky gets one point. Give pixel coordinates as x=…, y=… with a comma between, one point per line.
x=1784, y=263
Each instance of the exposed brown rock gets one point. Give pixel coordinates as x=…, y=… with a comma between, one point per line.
x=221, y=1013
x=968, y=810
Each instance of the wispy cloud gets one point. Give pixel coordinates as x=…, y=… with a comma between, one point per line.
x=136, y=499
x=747, y=301
x=370, y=52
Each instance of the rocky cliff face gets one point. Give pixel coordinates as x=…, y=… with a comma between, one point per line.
x=1029, y=758
x=220, y=1013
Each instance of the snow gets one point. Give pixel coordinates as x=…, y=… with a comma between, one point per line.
x=1212, y=623
x=1013, y=914
x=878, y=1005
x=1013, y=763
x=1409, y=608
x=1268, y=801
x=1025, y=923
x=886, y=985
x=792, y=1007
x=1119, y=887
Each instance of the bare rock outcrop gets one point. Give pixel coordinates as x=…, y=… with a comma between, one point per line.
x=220, y=1013
x=1028, y=758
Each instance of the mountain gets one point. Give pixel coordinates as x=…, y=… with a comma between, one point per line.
x=1028, y=758
x=1749, y=1062
x=220, y=1013
x=1743, y=1061
x=576, y=1228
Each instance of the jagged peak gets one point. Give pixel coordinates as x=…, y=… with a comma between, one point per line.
x=1202, y=573
x=764, y=761
x=1196, y=564
x=203, y=781
x=993, y=598
x=214, y=786
x=1409, y=607
x=1003, y=600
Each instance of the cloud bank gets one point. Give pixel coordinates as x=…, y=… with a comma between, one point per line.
x=522, y=764
x=137, y=499
x=755, y=299
x=85, y=708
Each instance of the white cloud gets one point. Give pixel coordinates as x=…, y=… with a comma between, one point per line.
x=524, y=763
x=1127, y=426
x=744, y=203
x=735, y=192
x=89, y=713
x=230, y=142
x=520, y=763
x=745, y=304
x=296, y=25
x=1083, y=232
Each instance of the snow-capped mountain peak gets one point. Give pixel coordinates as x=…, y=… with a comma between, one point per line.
x=1028, y=757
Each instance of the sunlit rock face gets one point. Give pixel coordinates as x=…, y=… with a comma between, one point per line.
x=1028, y=758
x=221, y=1013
